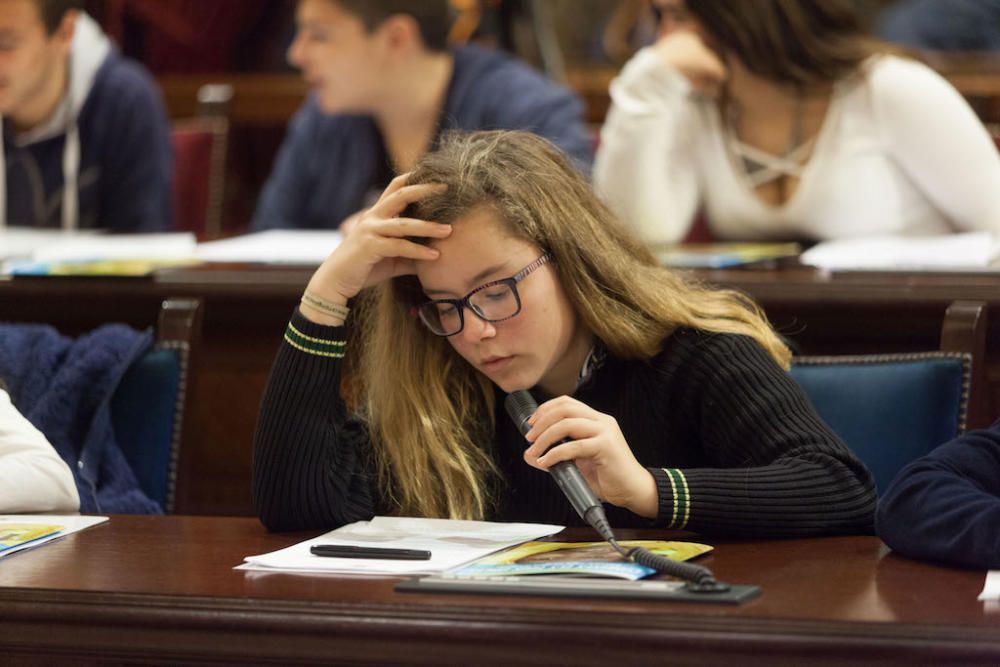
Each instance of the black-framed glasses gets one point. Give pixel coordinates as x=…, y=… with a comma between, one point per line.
x=495, y=301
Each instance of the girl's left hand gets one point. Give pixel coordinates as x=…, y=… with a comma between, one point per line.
x=597, y=445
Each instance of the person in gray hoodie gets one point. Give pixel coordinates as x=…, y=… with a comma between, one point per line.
x=86, y=140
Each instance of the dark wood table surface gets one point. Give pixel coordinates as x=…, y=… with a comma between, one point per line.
x=246, y=309
x=162, y=589
x=272, y=99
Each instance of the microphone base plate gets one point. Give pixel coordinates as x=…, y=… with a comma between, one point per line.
x=660, y=589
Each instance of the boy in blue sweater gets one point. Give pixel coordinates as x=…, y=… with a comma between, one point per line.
x=385, y=85
x=945, y=506
x=85, y=137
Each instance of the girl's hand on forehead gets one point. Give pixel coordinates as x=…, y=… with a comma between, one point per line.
x=378, y=246
x=685, y=51
x=399, y=194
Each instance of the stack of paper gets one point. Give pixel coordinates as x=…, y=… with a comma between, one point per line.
x=23, y=242
x=54, y=252
x=954, y=252
x=451, y=543
x=43, y=252
x=275, y=246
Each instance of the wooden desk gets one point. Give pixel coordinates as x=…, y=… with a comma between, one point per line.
x=246, y=311
x=162, y=590
x=975, y=75
x=271, y=99
x=258, y=99
x=592, y=85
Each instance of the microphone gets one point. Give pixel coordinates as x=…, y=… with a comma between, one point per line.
x=520, y=406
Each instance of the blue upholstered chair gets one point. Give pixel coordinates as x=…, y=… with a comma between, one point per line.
x=893, y=408
x=148, y=407
x=889, y=409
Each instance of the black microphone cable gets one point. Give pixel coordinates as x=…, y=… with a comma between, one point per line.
x=520, y=406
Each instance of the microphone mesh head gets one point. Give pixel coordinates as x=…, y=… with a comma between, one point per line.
x=520, y=405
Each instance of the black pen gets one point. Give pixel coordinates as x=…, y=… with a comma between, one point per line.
x=349, y=551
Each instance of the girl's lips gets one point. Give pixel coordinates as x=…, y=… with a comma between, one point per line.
x=495, y=363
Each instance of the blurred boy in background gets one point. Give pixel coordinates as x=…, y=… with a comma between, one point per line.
x=385, y=84
x=86, y=141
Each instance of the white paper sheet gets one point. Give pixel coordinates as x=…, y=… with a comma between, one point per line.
x=22, y=243
x=991, y=589
x=276, y=246
x=962, y=252
x=71, y=523
x=169, y=246
x=451, y=543
x=24, y=247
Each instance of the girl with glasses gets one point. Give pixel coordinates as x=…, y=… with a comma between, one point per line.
x=492, y=268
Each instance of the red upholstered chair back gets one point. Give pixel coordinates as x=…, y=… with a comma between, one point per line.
x=200, y=146
x=699, y=232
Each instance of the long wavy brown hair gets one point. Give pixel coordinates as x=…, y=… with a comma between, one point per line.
x=431, y=414
x=800, y=43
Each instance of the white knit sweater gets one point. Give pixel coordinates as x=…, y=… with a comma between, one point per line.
x=899, y=153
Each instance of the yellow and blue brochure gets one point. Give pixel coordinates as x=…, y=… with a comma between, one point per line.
x=16, y=534
x=579, y=559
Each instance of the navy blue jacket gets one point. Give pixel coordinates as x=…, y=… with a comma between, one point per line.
x=64, y=387
x=125, y=166
x=331, y=166
x=945, y=506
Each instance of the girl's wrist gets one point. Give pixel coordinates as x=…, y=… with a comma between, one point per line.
x=320, y=317
x=646, y=500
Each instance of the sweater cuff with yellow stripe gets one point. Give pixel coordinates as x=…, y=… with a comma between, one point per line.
x=675, y=498
x=316, y=339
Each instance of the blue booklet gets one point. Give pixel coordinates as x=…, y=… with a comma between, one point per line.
x=15, y=534
x=722, y=255
x=578, y=559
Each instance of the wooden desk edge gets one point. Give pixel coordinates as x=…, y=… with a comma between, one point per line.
x=175, y=627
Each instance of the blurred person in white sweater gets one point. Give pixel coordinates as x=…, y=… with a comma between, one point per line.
x=782, y=120
x=33, y=478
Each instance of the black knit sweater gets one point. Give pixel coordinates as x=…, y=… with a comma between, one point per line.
x=734, y=445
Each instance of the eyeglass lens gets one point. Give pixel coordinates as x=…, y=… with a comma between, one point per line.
x=492, y=303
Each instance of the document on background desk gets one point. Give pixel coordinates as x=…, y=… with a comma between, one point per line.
x=19, y=245
x=55, y=525
x=451, y=543
x=991, y=589
x=23, y=242
x=94, y=254
x=275, y=246
x=974, y=251
x=723, y=255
